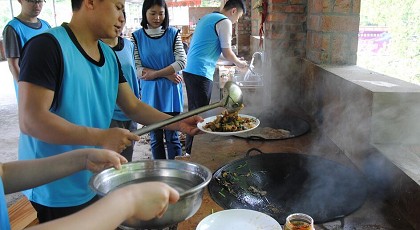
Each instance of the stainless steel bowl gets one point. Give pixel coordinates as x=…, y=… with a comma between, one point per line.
x=189, y=179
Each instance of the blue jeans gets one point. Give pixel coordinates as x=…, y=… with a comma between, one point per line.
x=172, y=143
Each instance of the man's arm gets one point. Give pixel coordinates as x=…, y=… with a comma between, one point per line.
x=12, y=51
x=36, y=119
x=224, y=31
x=14, y=67
x=231, y=56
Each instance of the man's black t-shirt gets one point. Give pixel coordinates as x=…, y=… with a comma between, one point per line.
x=42, y=62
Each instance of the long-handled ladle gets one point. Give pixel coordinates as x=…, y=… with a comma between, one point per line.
x=232, y=101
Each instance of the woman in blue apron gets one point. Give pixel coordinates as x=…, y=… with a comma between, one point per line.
x=159, y=55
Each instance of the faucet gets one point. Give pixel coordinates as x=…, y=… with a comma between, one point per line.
x=251, y=64
x=251, y=74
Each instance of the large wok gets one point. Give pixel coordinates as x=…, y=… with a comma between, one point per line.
x=280, y=184
x=295, y=125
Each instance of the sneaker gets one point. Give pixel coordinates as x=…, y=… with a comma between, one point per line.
x=182, y=137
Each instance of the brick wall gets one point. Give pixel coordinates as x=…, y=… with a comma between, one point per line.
x=332, y=29
x=195, y=13
x=243, y=30
x=323, y=31
x=285, y=27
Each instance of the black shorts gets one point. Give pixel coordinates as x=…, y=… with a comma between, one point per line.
x=45, y=214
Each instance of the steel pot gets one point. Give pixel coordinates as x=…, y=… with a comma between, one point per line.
x=189, y=179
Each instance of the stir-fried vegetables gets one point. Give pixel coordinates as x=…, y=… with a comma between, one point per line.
x=230, y=122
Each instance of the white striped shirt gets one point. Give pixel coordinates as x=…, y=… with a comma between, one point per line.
x=179, y=52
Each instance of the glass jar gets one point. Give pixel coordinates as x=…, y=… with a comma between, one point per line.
x=299, y=221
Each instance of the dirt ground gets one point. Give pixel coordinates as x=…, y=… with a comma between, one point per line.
x=8, y=122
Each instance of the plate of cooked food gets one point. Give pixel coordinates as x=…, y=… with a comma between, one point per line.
x=228, y=124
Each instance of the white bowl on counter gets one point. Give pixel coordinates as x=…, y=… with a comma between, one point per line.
x=238, y=219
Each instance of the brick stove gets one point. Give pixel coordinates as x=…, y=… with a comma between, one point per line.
x=310, y=48
x=345, y=109
x=215, y=151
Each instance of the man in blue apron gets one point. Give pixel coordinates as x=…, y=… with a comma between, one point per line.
x=69, y=85
x=19, y=30
x=212, y=36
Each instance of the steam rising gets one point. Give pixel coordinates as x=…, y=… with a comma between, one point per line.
x=347, y=114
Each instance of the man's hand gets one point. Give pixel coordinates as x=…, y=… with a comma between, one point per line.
x=117, y=139
x=241, y=64
x=189, y=125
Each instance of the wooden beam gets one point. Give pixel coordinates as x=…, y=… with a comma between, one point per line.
x=22, y=214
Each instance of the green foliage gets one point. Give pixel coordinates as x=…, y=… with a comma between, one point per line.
x=3, y=21
x=402, y=18
x=210, y=3
x=5, y=15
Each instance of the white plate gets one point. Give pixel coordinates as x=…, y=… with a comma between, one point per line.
x=238, y=219
x=210, y=119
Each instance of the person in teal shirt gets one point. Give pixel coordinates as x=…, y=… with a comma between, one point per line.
x=19, y=30
x=212, y=37
x=69, y=85
x=124, y=49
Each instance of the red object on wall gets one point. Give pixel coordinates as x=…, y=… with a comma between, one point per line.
x=263, y=18
x=179, y=3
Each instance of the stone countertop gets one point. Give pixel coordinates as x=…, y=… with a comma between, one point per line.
x=406, y=157
x=215, y=151
x=365, y=109
x=373, y=81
